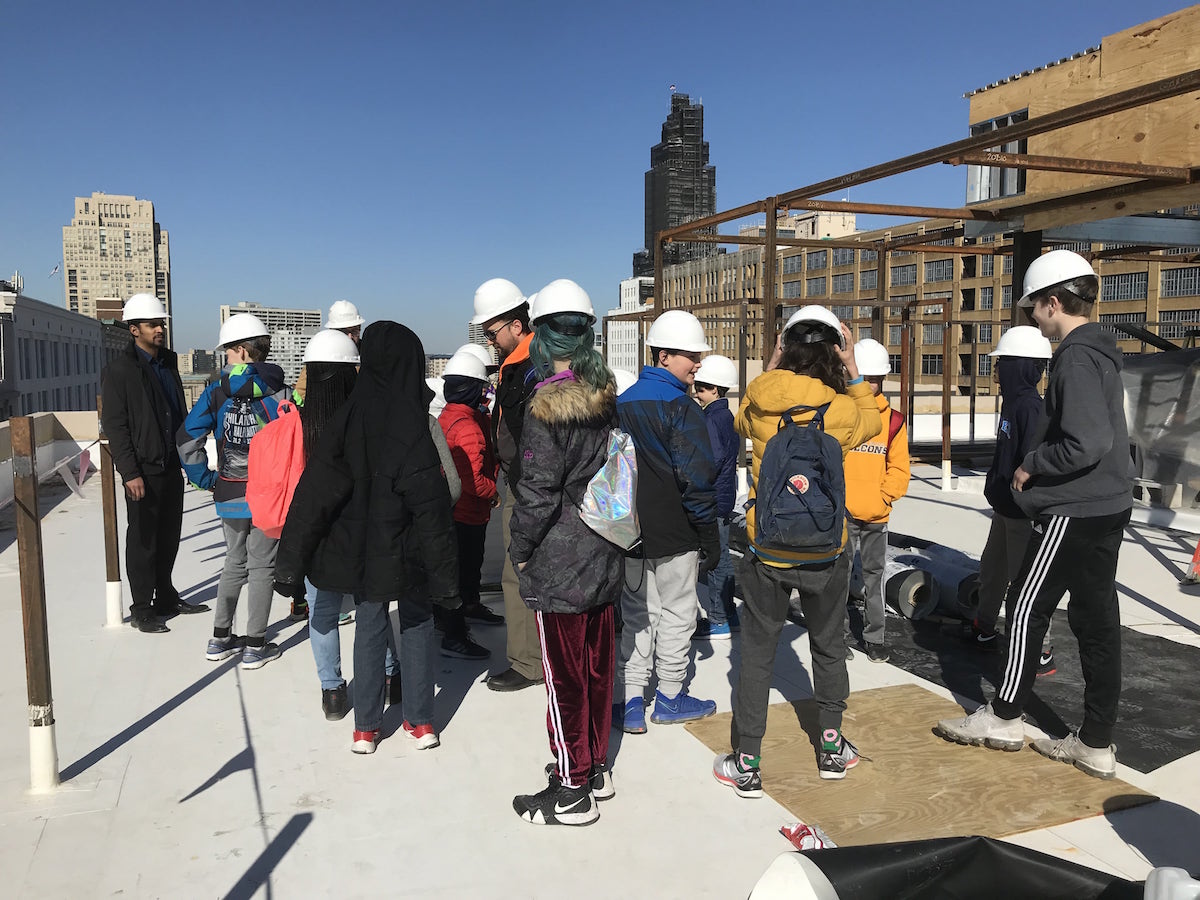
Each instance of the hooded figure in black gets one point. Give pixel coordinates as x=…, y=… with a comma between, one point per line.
x=371, y=516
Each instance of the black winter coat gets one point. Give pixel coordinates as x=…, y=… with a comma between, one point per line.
x=135, y=414
x=517, y=379
x=568, y=567
x=371, y=513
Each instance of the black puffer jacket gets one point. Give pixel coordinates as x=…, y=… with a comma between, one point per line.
x=569, y=568
x=136, y=417
x=371, y=513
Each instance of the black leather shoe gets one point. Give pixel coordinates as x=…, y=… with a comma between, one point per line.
x=511, y=680
x=182, y=609
x=334, y=703
x=149, y=625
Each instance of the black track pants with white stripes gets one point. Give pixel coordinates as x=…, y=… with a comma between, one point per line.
x=1076, y=555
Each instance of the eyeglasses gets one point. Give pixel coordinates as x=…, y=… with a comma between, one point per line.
x=491, y=333
x=155, y=323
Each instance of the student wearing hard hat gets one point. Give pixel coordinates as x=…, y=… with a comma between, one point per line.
x=1019, y=361
x=234, y=408
x=1076, y=486
x=142, y=407
x=813, y=366
x=343, y=316
x=677, y=510
x=715, y=378
x=877, y=475
x=503, y=312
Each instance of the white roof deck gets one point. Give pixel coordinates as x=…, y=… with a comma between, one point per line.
x=190, y=778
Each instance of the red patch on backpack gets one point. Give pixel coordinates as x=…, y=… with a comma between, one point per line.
x=799, y=484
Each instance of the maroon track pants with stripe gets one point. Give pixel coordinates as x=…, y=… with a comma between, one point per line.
x=577, y=658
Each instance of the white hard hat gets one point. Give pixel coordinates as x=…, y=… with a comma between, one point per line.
x=143, y=306
x=343, y=314
x=1023, y=340
x=719, y=370
x=625, y=380
x=816, y=316
x=438, y=403
x=484, y=353
x=677, y=330
x=1053, y=268
x=561, y=296
x=464, y=362
x=242, y=327
x=871, y=357
x=331, y=346
x=494, y=298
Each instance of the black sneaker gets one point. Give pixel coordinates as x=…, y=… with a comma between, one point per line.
x=477, y=612
x=334, y=703
x=299, y=611
x=460, y=646
x=558, y=805
x=1046, y=664
x=986, y=641
x=876, y=652
x=600, y=780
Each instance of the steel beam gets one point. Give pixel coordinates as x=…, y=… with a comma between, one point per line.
x=754, y=239
x=892, y=209
x=998, y=160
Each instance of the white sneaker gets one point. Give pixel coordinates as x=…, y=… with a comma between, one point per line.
x=1099, y=762
x=983, y=728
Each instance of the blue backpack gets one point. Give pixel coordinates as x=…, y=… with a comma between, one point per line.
x=800, y=502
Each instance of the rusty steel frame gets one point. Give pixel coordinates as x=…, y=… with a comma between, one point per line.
x=999, y=160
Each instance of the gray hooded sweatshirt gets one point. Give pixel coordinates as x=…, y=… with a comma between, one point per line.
x=1080, y=464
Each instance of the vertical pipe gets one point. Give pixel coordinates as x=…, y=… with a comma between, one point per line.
x=113, y=615
x=1027, y=246
x=43, y=752
x=974, y=369
x=770, y=307
x=946, y=396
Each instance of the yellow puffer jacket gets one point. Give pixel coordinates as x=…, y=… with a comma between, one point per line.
x=877, y=472
x=851, y=419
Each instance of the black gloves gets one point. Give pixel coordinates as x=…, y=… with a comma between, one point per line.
x=710, y=547
x=291, y=591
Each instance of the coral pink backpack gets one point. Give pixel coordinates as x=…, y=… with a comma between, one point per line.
x=276, y=463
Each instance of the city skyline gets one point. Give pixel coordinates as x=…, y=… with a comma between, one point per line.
x=424, y=154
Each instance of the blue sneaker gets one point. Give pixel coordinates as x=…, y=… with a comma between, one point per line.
x=681, y=708
x=707, y=630
x=223, y=648
x=257, y=657
x=632, y=718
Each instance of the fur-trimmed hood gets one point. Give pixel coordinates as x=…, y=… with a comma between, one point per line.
x=568, y=402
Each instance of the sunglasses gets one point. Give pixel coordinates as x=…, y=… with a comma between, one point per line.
x=491, y=333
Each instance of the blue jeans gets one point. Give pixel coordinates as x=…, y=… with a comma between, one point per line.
x=719, y=601
x=372, y=633
x=324, y=607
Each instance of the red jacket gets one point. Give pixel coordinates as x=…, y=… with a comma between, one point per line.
x=468, y=435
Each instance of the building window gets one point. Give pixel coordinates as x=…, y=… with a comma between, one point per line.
x=1008, y=264
x=843, y=284
x=894, y=362
x=1180, y=282
x=985, y=365
x=990, y=182
x=939, y=270
x=843, y=256
x=1181, y=321
x=1126, y=318
x=845, y=313
x=985, y=297
x=868, y=255
x=792, y=290
x=815, y=287
x=817, y=259
x=894, y=333
x=868, y=279
x=932, y=334
x=904, y=274
x=931, y=364
x=1006, y=297
x=864, y=332
x=1128, y=286
x=793, y=264
x=985, y=332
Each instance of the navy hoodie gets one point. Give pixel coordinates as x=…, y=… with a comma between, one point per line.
x=1081, y=465
x=1020, y=409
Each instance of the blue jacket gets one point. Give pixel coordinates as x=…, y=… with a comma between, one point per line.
x=676, y=470
x=725, y=442
x=216, y=412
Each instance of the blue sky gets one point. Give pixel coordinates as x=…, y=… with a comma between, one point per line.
x=398, y=154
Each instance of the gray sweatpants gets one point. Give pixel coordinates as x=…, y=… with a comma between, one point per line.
x=871, y=540
x=249, y=560
x=766, y=590
x=659, y=619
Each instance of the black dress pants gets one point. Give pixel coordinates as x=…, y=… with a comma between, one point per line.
x=152, y=543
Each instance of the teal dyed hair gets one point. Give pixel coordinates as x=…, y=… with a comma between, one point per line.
x=548, y=345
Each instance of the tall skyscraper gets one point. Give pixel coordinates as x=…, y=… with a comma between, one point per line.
x=290, y=330
x=680, y=185
x=114, y=249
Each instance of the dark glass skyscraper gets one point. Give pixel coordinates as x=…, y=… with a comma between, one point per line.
x=680, y=184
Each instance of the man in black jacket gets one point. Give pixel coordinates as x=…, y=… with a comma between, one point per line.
x=143, y=406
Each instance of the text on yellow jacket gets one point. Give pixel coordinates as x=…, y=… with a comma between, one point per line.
x=877, y=472
x=851, y=419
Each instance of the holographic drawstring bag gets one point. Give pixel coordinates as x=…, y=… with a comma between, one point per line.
x=609, y=505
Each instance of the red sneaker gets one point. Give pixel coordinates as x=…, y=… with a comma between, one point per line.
x=365, y=741
x=423, y=734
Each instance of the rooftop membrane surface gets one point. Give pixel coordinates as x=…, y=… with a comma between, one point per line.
x=187, y=778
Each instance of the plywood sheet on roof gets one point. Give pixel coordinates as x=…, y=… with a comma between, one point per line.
x=916, y=785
